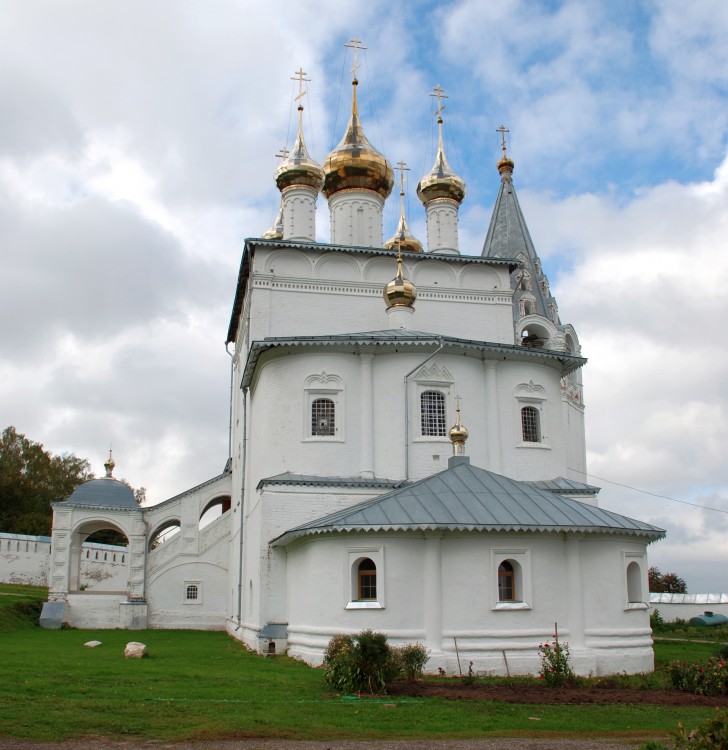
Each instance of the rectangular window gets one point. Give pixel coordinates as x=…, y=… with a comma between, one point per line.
x=323, y=422
x=432, y=414
x=530, y=425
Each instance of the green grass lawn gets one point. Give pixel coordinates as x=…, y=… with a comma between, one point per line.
x=206, y=685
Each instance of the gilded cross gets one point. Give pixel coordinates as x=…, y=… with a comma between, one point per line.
x=355, y=44
x=401, y=168
x=503, y=130
x=440, y=94
x=300, y=76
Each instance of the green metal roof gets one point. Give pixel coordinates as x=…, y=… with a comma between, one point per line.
x=467, y=498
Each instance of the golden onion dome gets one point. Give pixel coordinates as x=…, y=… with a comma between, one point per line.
x=400, y=292
x=441, y=182
x=458, y=433
x=406, y=240
x=298, y=168
x=403, y=238
x=355, y=163
x=505, y=166
x=276, y=231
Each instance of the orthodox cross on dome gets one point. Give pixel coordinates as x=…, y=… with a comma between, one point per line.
x=503, y=130
x=401, y=168
x=440, y=94
x=355, y=44
x=283, y=153
x=457, y=404
x=300, y=76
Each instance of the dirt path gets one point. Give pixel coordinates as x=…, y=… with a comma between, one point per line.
x=492, y=744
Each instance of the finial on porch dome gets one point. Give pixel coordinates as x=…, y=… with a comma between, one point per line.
x=505, y=164
x=109, y=466
x=407, y=241
x=458, y=433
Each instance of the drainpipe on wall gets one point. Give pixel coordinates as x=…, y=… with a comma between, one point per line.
x=406, y=404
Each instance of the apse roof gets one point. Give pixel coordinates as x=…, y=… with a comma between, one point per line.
x=403, y=337
x=467, y=498
x=103, y=493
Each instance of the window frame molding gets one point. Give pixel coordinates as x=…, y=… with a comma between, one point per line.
x=327, y=386
x=352, y=558
x=522, y=578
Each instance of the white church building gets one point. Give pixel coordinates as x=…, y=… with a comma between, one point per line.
x=355, y=497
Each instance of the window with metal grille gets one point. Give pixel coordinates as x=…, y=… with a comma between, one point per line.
x=530, y=425
x=192, y=592
x=506, y=580
x=322, y=417
x=432, y=413
x=367, y=588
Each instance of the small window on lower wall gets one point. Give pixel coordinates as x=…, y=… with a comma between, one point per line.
x=192, y=592
x=512, y=579
x=633, y=571
x=366, y=581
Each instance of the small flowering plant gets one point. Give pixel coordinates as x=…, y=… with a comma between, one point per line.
x=555, y=668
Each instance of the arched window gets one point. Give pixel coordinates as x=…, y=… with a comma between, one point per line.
x=506, y=582
x=367, y=580
x=192, y=592
x=530, y=424
x=432, y=413
x=322, y=417
x=634, y=583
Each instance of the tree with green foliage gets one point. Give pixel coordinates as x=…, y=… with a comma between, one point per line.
x=666, y=583
x=30, y=479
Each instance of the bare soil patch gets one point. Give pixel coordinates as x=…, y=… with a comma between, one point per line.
x=606, y=692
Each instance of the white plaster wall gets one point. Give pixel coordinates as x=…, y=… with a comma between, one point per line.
x=604, y=636
x=684, y=606
x=343, y=296
x=280, y=417
x=24, y=559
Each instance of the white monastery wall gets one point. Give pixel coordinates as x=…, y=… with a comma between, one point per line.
x=25, y=559
x=684, y=606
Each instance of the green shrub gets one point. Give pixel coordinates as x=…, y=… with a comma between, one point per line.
x=555, y=663
x=710, y=735
x=364, y=662
x=412, y=658
x=656, y=619
x=702, y=678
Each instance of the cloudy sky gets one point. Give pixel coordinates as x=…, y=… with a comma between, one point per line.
x=137, y=144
